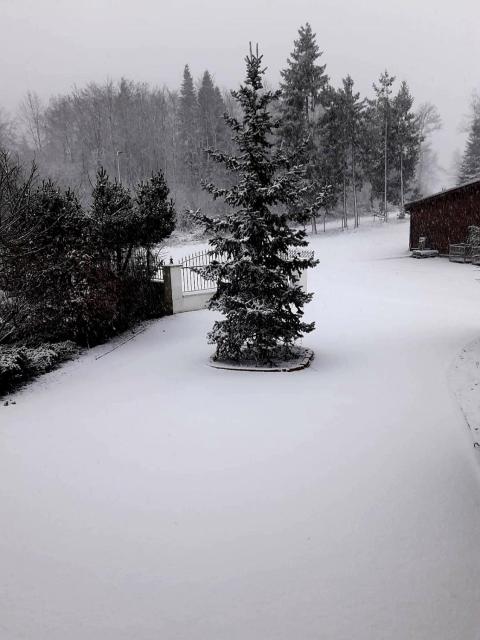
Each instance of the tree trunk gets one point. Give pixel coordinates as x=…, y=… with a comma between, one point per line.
x=118, y=253
x=354, y=182
x=314, y=224
x=345, y=216
x=127, y=258
x=149, y=260
x=402, y=192
x=385, y=212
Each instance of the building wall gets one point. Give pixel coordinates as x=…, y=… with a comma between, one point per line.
x=445, y=219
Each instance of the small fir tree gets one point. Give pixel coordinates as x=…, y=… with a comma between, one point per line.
x=155, y=213
x=257, y=292
x=112, y=211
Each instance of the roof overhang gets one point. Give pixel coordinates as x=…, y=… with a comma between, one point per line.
x=441, y=194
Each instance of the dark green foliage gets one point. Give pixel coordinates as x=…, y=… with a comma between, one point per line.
x=303, y=89
x=123, y=223
x=188, y=128
x=68, y=274
x=257, y=295
x=391, y=142
x=212, y=127
x=407, y=139
x=470, y=167
x=112, y=213
x=304, y=96
x=48, y=269
x=377, y=147
x=342, y=128
x=154, y=212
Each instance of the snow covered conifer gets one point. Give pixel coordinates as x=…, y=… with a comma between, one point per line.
x=304, y=95
x=407, y=141
x=257, y=292
x=112, y=212
x=188, y=127
x=470, y=167
x=304, y=85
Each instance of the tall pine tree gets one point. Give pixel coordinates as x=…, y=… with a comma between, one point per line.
x=342, y=126
x=303, y=84
x=188, y=129
x=257, y=291
x=304, y=89
x=470, y=167
x=377, y=141
x=212, y=126
x=406, y=138
x=354, y=118
x=428, y=121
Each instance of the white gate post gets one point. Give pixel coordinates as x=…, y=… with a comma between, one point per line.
x=172, y=275
x=302, y=280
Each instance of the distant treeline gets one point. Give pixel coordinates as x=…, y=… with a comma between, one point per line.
x=371, y=152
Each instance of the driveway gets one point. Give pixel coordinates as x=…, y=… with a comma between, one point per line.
x=146, y=496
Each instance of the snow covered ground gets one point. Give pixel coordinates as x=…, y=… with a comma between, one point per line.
x=147, y=496
x=464, y=377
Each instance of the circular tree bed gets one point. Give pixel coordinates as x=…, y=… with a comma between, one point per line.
x=299, y=358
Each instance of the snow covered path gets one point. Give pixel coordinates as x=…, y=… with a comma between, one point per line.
x=146, y=496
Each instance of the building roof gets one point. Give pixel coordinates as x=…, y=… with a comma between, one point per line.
x=435, y=196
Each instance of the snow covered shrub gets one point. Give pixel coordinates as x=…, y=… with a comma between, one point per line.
x=13, y=367
x=19, y=363
x=46, y=356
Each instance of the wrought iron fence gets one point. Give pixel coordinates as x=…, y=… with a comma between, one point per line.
x=304, y=254
x=192, y=280
x=149, y=260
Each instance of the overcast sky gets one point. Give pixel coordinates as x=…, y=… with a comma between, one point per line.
x=50, y=45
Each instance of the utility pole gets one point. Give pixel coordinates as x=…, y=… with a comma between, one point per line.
x=354, y=182
x=385, y=212
x=402, y=193
x=118, y=165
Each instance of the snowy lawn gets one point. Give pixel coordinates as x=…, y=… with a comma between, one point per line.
x=464, y=378
x=147, y=496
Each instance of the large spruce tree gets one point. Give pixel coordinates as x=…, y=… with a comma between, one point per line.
x=257, y=274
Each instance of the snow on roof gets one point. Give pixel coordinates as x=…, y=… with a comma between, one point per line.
x=439, y=194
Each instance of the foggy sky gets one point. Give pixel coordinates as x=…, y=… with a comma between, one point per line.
x=48, y=46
